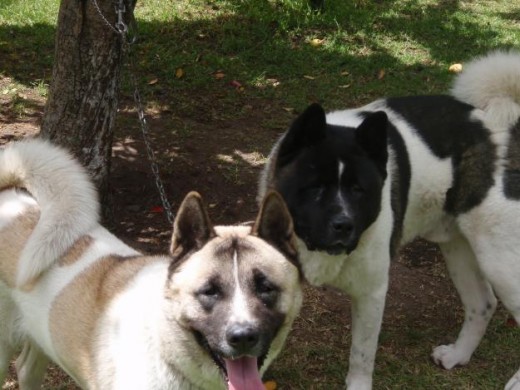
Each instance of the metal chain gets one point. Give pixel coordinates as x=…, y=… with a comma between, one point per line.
x=105, y=20
x=122, y=29
x=149, y=150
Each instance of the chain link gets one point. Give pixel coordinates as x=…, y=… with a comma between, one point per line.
x=121, y=28
x=102, y=16
x=149, y=150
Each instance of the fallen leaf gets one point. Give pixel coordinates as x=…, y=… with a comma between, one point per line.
x=270, y=385
x=152, y=82
x=219, y=75
x=179, y=73
x=455, y=68
x=511, y=323
x=345, y=73
x=157, y=209
x=381, y=74
x=273, y=82
x=236, y=83
x=316, y=42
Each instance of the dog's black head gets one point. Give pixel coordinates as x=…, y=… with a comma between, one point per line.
x=332, y=178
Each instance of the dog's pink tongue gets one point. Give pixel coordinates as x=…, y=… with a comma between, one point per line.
x=243, y=374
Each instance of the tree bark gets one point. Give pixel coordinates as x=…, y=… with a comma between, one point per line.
x=83, y=95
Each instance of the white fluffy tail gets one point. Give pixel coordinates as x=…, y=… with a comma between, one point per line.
x=67, y=199
x=492, y=83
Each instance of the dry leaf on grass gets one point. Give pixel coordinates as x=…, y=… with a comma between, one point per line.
x=179, y=73
x=316, y=42
x=219, y=75
x=455, y=68
x=270, y=385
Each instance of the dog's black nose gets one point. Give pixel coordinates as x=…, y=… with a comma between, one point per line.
x=342, y=225
x=242, y=338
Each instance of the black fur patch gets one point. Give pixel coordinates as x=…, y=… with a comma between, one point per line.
x=511, y=178
x=400, y=189
x=400, y=186
x=307, y=175
x=445, y=126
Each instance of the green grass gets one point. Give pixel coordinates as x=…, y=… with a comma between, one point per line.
x=404, y=362
x=285, y=55
x=26, y=39
x=252, y=41
x=256, y=42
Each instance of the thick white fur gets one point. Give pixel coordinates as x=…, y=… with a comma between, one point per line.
x=492, y=83
x=67, y=199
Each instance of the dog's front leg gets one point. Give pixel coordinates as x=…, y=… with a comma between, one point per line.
x=30, y=367
x=367, y=316
x=6, y=352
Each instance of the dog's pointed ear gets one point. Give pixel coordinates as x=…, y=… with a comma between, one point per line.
x=371, y=135
x=274, y=225
x=192, y=227
x=306, y=130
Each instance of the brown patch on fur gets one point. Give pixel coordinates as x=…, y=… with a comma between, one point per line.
x=29, y=285
x=13, y=238
x=76, y=251
x=77, y=309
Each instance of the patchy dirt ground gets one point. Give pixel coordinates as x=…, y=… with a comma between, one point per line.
x=221, y=158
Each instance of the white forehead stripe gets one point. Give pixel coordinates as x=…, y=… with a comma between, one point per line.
x=341, y=168
x=339, y=195
x=239, y=308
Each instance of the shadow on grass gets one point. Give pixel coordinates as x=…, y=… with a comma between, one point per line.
x=26, y=53
x=255, y=41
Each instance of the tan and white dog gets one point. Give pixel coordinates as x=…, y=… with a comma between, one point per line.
x=217, y=309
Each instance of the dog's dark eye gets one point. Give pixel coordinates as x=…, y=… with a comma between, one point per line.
x=209, y=290
x=313, y=190
x=266, y=290
x=357, y=189
x=208, y=295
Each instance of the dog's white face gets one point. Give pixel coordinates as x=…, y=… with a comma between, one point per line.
x=235, y=290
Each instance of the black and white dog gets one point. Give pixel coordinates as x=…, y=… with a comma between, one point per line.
x=361, y=182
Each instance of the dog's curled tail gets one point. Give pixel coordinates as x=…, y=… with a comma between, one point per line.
x=66, y=197
x=492, y=83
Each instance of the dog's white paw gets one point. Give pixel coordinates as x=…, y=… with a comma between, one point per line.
x=514, y=382
x=359, y=382
x=448, y=356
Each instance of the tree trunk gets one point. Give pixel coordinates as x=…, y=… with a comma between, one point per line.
x=83, y=96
